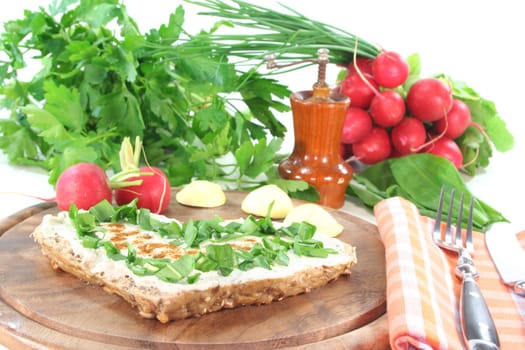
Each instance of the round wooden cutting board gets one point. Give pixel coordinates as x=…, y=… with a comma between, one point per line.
x=41, y=307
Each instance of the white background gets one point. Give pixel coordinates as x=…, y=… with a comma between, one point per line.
x=479, y=42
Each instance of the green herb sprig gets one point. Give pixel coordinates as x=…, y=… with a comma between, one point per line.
x=419, y=178
x=288, y=34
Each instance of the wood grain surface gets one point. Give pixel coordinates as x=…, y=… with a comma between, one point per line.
x=42, y=308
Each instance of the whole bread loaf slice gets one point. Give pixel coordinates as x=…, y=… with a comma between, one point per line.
x=166, y=301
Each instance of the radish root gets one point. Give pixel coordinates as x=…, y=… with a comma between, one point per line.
x=361, y=75
x=432, y=140
x=51, y=199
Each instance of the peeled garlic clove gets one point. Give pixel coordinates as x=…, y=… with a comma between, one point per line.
x=201, y=193
x=316, y=215
x=258, y=201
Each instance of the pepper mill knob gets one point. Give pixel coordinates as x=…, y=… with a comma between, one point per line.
x=321, y=90
x=322, y=62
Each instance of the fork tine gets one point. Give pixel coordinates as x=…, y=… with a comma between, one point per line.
x=437, y=223
x=459, y=236
x=448, y=229
x=470, y=246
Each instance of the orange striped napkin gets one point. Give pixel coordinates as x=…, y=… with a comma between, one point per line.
x=423, y=292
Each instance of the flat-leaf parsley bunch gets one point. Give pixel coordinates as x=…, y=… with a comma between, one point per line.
x=99, y=79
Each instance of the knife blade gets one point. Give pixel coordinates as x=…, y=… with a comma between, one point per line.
x=508, y=257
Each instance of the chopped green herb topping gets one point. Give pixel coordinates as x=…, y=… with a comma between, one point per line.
x=220, y=254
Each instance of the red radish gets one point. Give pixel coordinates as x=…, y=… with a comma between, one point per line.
x=390, y=69
x=456, y=121
x=447, y=148
x=359, y=91
x=408, y=136
x=149, y=185
x=345, y=150
x=358, y=123
x=429, y=99
x=153, y=192
x=387, y=108
x=364, y=64
x=374, y=147
x=83, y=184
x=395, y=153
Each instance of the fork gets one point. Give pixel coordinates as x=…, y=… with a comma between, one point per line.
x=477, y=325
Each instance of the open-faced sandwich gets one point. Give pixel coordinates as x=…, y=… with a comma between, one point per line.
x=171, y=270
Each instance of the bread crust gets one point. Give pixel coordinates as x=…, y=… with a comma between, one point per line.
x=151, y=302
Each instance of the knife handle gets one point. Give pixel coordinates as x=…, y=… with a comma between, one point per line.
x=478, y=327
x=519, y=287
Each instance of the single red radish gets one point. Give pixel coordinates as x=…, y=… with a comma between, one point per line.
x=387, y=108
x=153, y=192
x=390, y=69
x=83, y=184
x=447, y=148
x=364, y=64
x=359, y=91
x=149, y=185
x=374, y=147
x=456, y=121
x=357, y=124
x=429, y=99
x=408, y=136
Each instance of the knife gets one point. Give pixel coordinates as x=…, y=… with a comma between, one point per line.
x=509, y=258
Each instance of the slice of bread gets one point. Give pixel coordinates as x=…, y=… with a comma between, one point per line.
x=212, y=291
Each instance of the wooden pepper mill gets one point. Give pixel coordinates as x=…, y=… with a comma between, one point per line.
x=318, y=117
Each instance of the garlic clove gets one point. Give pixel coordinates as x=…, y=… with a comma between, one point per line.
x=258, y=201
x=316, y=215
x=201, y=193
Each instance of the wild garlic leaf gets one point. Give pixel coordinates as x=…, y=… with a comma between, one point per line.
x=419, y=178
x=190, y=233
x=224, y=256
x=178, y=269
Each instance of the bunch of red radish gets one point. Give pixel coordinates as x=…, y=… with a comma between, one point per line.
x=385, y=121
x=87, y=184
